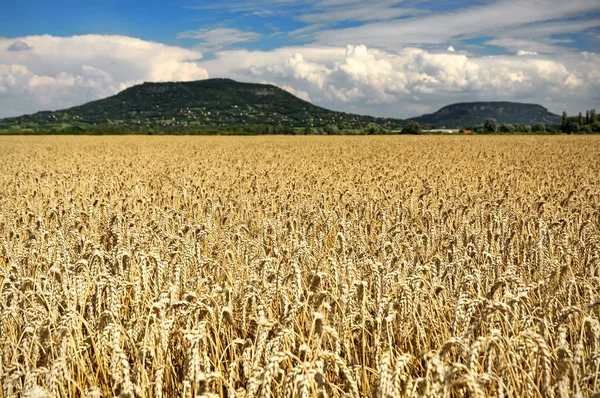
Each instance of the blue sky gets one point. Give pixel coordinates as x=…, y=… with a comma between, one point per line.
x=383, y=57
x=275, y=21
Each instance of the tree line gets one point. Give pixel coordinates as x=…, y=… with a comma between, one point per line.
x=580, y=124
x=588, y=124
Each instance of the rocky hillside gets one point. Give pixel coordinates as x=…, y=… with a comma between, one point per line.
x=474, y=113
x=180, y=106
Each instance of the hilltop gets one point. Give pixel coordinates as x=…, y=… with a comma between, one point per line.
x=197, y=105
x=474, y=113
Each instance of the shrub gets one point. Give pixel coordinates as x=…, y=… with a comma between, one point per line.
x=490, y=125
x=539, y=128
x=412, y=128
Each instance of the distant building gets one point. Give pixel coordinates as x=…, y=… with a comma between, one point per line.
x=446, y=131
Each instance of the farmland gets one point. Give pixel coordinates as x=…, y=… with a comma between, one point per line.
x=300, y=266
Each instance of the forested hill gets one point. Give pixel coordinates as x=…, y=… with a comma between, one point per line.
x=474, y=113
x=189, y=106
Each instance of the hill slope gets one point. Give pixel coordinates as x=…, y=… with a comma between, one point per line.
x=475, y=113
x=187, y=105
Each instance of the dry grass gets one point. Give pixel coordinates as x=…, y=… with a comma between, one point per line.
x=300, y=266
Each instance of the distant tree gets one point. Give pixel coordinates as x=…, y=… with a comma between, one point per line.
x=509, y=128
x=587, y=117
x=332, y=129
x=573, y=128
x=580, y=120
x=539, y=128
x=596, y=127
x=412, y=128
x=490, y=125
x=592, y=116
x=587, y=129
x=565, y=121
x=74, y=130
x=285, y=130
x=374, y=128
x=519, y=128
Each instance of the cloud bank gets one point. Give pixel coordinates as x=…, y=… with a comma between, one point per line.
x=412, y=80
x=57, y=72
x=19, y=46
x=49, y=72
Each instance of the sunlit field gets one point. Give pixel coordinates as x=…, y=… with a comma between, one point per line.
x=300, y=266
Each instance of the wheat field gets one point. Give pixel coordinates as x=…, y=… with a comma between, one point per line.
x=300, y=266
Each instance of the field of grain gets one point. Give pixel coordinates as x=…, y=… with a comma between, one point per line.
x=300, y=266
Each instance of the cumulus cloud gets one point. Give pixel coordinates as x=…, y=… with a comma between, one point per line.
x=524, y=53
x=58, y=72
x=450, y=49
x=298, y=93
x=19, y=46
x=366, y=80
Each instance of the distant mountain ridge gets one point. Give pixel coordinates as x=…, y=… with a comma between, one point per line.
x=184, y=106
x=474, y=113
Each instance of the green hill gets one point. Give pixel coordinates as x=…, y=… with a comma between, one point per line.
x=474, y=113
x=188, y=106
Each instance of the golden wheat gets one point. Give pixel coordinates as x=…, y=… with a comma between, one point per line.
x=300, y=266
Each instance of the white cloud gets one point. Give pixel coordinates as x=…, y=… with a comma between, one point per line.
x=548, y=28
x=490, y=19
x=528, y=46
x=19, y=46
x=63, y=71
x=307, y=31
x=364, y=80
x=451, y=49
x=263, y=13
x=57, y=72
x=395, y=24
x=363, y=12
x=298, y=93
x=524, y=53
x=218, y=38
